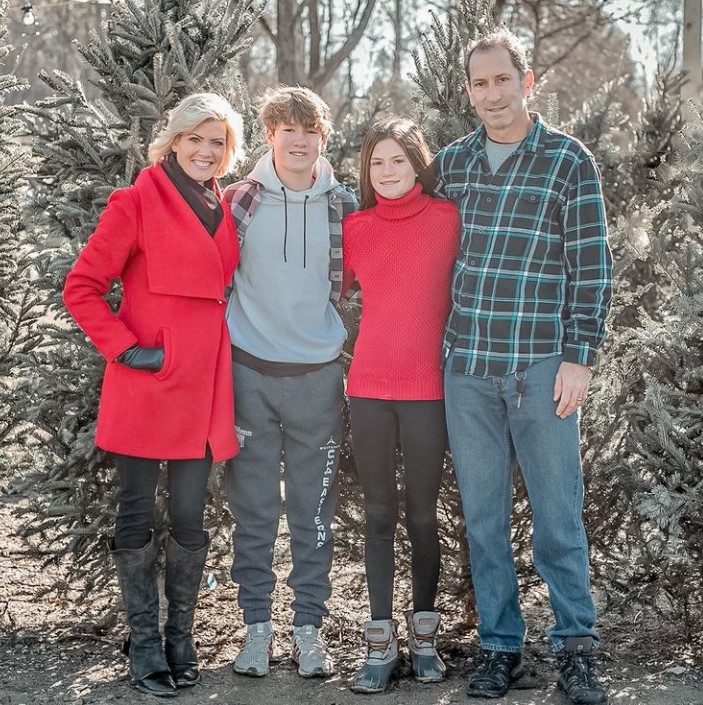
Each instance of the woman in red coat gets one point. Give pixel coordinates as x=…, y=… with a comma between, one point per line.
x=167, y=390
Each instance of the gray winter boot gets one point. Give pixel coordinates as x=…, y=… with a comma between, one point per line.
x=428, y=667
x=184, y=571
x=136, y=573
x=382, y=657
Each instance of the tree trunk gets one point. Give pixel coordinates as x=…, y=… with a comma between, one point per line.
x=397, y=19
x=320, y=78
x=692, y=49
x=315, y=37
x=286, y=45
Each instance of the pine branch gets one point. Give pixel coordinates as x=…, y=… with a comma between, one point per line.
x=144, y=59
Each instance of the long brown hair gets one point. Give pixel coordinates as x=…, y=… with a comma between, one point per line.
x=407, y=134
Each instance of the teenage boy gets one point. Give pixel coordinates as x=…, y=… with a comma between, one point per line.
x=286, y=340
x=532, y=288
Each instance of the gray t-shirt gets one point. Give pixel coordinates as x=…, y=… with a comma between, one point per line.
x=498, y=152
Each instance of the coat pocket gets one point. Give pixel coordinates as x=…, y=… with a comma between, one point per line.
x=163, y=339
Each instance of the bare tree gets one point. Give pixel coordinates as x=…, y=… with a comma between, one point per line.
x=557, y=28
x=48, y=44
x=589, y=66
x=313, y=38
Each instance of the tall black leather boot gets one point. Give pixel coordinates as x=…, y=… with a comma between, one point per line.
x=136, y=573
x=184, y=571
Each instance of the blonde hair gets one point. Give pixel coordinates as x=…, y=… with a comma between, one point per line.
x=191, y=112
x=295, y=105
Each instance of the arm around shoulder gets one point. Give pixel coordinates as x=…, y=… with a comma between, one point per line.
x=350, y=202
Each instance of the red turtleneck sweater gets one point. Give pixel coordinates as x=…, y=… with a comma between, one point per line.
x=402, y=253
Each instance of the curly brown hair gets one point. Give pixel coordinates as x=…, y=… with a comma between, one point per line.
x=295, y=105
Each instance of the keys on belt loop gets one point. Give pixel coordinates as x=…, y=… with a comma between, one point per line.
x=520, y=377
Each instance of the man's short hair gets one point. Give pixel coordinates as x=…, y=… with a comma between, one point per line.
x=499, y=38
x=295, y=105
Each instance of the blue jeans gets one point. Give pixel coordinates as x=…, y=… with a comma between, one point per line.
x=488, y=434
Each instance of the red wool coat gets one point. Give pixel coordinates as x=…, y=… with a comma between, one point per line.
x=173, y=277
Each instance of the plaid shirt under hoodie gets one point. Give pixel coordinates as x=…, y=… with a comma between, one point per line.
x=533, y=278
x=244, y=198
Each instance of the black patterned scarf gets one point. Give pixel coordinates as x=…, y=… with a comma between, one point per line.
x=201, y=199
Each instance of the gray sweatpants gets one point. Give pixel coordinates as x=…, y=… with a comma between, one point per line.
x=297, y=420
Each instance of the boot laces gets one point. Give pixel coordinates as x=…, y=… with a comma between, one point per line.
x=378, y=649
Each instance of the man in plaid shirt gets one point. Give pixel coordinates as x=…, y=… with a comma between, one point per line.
x=531, y=291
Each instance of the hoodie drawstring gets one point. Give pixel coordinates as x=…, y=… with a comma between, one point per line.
x=305, y=231
x=285, y=228
x=285, y=223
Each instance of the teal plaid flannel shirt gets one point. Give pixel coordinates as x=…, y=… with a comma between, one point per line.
x=533, y=277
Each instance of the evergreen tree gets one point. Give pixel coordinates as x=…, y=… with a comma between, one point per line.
x=442, y=105
x=17, y=301
x=145, y=58
x=638, y=173
x=652, y=394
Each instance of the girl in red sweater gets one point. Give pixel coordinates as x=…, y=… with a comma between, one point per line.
x=401, y=248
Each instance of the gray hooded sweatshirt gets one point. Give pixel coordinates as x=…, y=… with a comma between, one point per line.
x=281, y=309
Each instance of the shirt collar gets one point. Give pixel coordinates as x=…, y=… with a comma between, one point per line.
x=531, y=143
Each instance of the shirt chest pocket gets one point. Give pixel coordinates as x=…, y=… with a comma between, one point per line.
x=532, y=207
x=457, y=193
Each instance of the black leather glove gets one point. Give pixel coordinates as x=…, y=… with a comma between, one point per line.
x=138, y=358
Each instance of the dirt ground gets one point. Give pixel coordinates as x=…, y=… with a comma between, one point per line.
x=53, y=652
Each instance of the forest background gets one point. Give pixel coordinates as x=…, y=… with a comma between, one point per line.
x=82, y=92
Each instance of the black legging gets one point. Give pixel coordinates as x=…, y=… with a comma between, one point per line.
x=377, y=426
x=187, y=490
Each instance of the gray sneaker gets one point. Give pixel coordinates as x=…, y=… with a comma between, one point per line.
x=253, y=659
x=310, y=654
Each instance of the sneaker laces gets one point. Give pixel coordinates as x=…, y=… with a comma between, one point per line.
x=258, y=639
x=501, y=659
x=308, y=642
x=579, y=670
